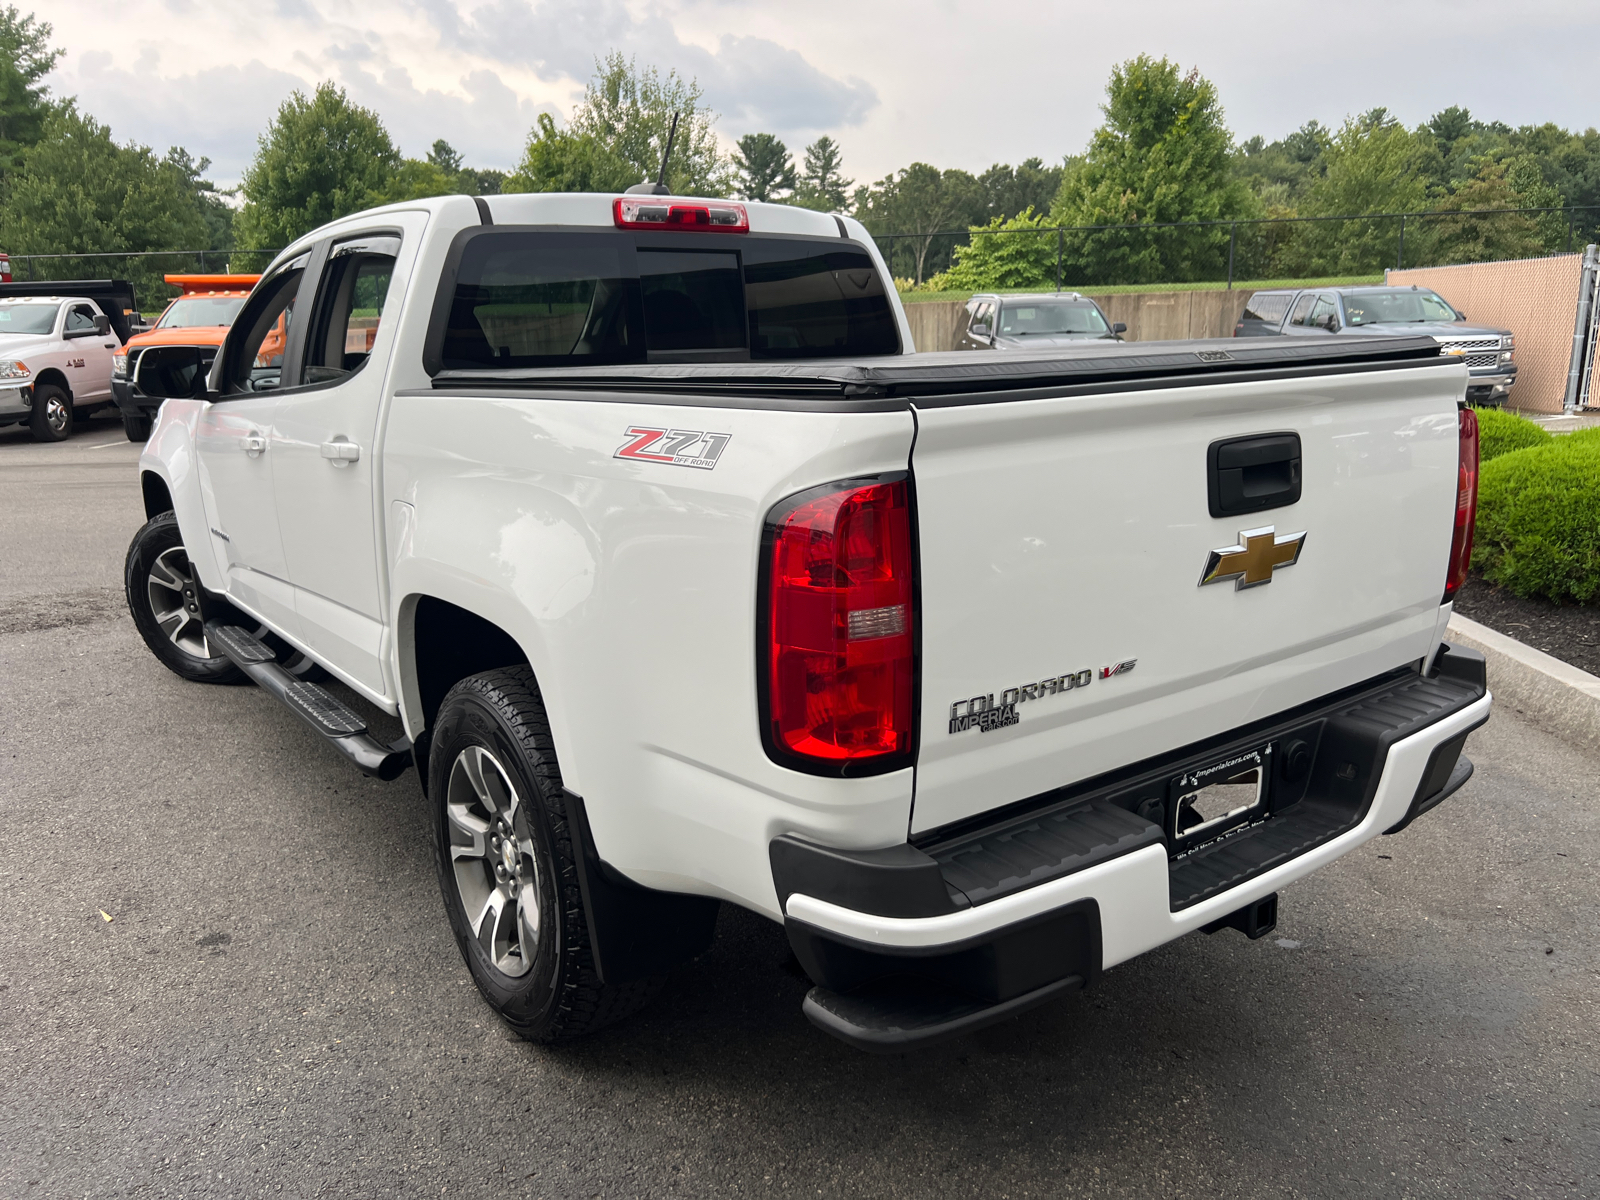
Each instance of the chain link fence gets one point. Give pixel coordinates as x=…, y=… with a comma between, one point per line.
x=1224, y=253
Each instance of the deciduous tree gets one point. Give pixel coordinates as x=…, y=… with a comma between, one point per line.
x=1163, y=154
x=618, y=134
x=26, y=57
x=321, y=158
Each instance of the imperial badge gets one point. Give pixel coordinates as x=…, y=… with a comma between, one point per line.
x=1252, y=561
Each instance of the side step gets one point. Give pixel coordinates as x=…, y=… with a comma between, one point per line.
x=341, y=727
x=894, y=1015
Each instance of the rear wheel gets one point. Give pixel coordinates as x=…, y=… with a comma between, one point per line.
x=136, y=425
x=506, y=860
x=52, y=413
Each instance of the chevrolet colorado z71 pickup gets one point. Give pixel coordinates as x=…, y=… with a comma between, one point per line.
x=691, y=583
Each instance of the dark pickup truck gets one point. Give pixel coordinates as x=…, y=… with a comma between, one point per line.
x=1388, y=311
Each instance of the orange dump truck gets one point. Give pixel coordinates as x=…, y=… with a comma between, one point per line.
x=200, y=317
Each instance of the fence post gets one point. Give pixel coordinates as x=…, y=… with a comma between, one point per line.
x=1400, y=255
x=1059, y=238
x=1233, y=234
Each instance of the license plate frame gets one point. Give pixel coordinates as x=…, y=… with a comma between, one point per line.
x=1226, y=772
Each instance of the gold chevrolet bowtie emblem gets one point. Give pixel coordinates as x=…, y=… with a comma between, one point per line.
x=1252, y=561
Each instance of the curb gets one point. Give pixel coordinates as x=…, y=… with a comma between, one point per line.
x=1561, y=697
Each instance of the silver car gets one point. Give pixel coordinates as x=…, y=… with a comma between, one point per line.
x=1034, y=322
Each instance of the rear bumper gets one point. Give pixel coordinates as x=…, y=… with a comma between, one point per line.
x=1091, y=883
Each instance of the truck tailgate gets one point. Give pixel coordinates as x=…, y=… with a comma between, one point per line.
x=1063, y=538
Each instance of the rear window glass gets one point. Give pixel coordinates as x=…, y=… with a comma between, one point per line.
x=537, y=299
x=811, y=301
x=1268, y=308
x=693, y=300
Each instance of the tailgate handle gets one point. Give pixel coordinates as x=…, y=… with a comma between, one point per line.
x=1253, y=474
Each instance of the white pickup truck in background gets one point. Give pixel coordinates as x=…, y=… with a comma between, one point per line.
x=58, y=340
x=690, y=582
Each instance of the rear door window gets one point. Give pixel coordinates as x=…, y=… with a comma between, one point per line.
x=528, y=298
x=1269, y=309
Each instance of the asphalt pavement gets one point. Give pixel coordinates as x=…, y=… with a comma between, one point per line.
x=225, y=971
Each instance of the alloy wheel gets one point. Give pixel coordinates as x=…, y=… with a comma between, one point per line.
x=175, y=602
x=496, y=870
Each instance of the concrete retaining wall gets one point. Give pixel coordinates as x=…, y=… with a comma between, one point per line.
x=1149, y=316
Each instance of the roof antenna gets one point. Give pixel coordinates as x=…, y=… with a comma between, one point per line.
x=659, y=187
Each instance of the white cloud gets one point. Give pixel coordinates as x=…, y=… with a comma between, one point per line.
x=942, y=81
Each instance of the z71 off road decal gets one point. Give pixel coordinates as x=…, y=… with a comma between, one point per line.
x=674, y=447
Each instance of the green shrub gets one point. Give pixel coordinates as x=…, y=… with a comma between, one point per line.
x=991, y=260
x=1539, y=520
x=1500, y=432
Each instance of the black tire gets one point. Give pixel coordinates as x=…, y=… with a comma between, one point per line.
x=158, y=569
x=545, y=987
x=136, y=426
x=52, y=413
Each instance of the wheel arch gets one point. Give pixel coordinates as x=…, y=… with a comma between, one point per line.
x=440, y=643
x=56, y=376
x=157, y=495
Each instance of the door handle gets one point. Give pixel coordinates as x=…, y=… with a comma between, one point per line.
x=253, y=444
x=339, y=451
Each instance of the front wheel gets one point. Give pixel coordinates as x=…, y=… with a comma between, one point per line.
x=136, y=425
x=52, y=414
x=168, y=604
x=506, y=860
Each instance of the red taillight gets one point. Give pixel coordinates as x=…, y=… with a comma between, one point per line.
x=840, y=628
x=1466, y=505
x=660, y=212
x=5, y=268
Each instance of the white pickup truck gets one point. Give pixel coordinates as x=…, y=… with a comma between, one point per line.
x=691, y=583
x=58, y=340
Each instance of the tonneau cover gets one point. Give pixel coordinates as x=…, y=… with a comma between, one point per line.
x=964, y=373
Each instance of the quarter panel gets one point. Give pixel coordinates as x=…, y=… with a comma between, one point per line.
x=632, y=588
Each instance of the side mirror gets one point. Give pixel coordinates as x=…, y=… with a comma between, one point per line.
x=980, y=330
x=1119, y=327
x=102, y=325
x=1331, y=323
x=171, y=373
x=1460, y=316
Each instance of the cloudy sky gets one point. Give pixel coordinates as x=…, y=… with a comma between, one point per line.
x=958, y=84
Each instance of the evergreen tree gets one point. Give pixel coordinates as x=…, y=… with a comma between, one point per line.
x=765, y=167
x=822, y=182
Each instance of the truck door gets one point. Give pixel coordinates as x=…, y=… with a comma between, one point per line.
x=326, y=470
x=89, y=355
x=236, y=447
